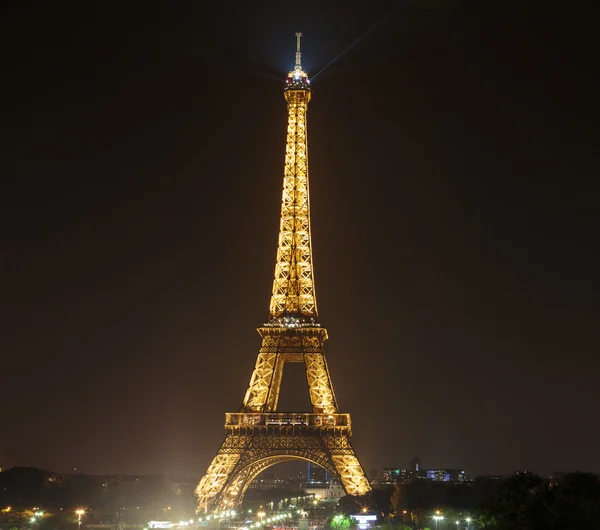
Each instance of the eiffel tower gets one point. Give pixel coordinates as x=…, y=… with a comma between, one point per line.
x=257, y=436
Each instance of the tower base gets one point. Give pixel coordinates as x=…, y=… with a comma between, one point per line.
x=257, y=441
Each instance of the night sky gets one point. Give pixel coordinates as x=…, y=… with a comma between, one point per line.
x=452, y=149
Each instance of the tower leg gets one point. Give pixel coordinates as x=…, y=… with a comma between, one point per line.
x=215, y=477
x=319, y=384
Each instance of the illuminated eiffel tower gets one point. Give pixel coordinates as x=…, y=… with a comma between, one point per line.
x=257, y=436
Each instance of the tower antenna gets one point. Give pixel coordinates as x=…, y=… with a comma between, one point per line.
x=298, y=54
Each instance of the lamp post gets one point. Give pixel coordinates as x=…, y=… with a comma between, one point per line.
x=79, y=513
x=315, y=502
x=37, y=515
x=437, y=519
x=468, y=519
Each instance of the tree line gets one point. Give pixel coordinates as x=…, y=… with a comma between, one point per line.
x=524, y=501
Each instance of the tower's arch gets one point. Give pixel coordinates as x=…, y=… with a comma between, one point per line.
x=235, y=488
x=260, y=443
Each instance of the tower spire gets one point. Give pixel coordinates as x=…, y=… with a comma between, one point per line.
x=298, y=54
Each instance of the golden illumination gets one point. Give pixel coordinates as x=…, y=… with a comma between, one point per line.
x=293, y=288
x=257, y=436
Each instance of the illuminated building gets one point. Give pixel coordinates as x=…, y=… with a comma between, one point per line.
x=364, y=521
x=392, y=475
x=257, y=436
x=446, y=475
x=328, y=492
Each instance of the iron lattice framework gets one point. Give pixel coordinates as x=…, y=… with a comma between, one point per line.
x=257, y=436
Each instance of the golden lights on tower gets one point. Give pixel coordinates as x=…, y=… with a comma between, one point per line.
x=257, y=435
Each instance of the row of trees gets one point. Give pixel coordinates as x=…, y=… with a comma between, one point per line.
x=524, y=501
x=527, y=502
x=105, y=498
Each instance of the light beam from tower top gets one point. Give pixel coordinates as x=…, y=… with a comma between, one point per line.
x=297, y=79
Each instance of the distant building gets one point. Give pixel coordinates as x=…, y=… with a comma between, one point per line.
x=325, y=492
x=268, y=482
x=316, y=474
x=415, y=466
x=446, y=475
x=391, y=475
x=55, y=479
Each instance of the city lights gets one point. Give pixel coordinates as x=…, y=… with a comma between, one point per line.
x=438, y=518
x=79, y=512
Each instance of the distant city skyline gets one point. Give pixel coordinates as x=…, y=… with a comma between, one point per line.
x=297, y=471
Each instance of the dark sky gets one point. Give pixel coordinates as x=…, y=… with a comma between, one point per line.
x=452, y=152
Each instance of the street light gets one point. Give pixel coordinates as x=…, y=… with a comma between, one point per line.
x=438, y=518
x=261, y=515
x=468, y=519
x=37, y=515
x=79, y=513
